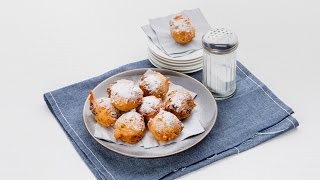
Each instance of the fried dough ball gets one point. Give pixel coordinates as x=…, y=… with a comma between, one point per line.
x=165, y=126
x=130, y=127
x=180, y=103
x=155, y=84
x=150, y=107
x=103, y=111
x=182, y=31
x=125, y=95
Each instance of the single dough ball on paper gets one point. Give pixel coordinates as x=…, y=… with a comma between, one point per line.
x=130, y=127
x=154, y=84
x=182, y=31
x=150, y=107
x=125, y=95
x=103, y=111
x=165, y=126
x=180, y=103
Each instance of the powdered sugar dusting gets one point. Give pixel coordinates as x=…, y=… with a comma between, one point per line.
x=178, y=98
x=153, y=82
x=105, y=102
x=126, y=89
x=150, y=104
x=168, y=118
x=179, y=23
x=132, y=120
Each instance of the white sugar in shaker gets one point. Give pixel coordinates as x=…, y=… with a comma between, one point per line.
x=219, y=62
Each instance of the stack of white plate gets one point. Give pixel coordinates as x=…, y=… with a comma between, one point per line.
x=185, y=64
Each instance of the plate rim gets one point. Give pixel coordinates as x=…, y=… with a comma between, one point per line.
x=175, y=61
x=163, y=68
x=206, y=132
x=188, y=68
x=176, y=64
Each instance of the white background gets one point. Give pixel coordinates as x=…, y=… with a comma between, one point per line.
x=45, y=45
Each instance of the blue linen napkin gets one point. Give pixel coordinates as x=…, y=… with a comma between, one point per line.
x=253, y=115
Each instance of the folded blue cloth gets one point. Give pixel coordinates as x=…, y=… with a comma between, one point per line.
x=253, y=115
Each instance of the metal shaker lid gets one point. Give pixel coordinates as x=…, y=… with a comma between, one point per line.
x=220, y=41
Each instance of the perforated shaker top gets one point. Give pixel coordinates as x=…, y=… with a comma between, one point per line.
x=220, y=41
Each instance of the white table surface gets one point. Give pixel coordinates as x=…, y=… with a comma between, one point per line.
x=45, y=45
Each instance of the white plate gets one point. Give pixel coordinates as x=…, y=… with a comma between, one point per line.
x=193, y=56
x=171, y=63
x=156, y=64
x=204, y=99
x=176, y=61
x=182, y=68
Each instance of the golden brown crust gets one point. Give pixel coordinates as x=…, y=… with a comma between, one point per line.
x=165, y=126
x=125, y=95
x=154, y=84
x=130, y=127
x=103, y=111
x=126, y=104
x=180, y=103
x=182, y=31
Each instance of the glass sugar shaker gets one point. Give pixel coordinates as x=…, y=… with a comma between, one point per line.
x=219, y=62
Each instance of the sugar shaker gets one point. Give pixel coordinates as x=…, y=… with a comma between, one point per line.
x=219, y=62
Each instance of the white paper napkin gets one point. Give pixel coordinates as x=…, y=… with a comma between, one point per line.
x=161, y=30
x=192, y=126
